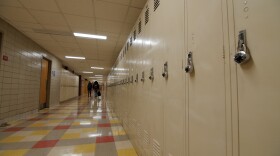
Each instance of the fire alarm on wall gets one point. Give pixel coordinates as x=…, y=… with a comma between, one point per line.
x=5, y=58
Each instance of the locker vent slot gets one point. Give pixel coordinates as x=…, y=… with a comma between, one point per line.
x=147, y=14
x=131, y=41
x=146, y=139
x=127, y=45
x=139, y=131
x=156, y=148
x=156, y=4
x=139, y=27
x=134, y=35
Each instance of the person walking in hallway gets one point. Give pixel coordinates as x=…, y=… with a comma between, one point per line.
x=96, y=88
x=89, y=87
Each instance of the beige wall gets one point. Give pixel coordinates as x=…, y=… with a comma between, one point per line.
x=69, y=87
x=20, y=75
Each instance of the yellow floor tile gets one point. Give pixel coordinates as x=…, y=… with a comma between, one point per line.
x=54, y=121
x=42, y=132
x=118, y=132
x=87, y=148
x=127, y=152
x=71, y=136
x=85, y=130
x=12, y=139
x=13, y=152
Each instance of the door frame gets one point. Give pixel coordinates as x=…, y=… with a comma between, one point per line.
x=48, y=87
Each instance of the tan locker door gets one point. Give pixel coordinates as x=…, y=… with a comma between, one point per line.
x=44, y=80
x=206, y=105
x=259, y=80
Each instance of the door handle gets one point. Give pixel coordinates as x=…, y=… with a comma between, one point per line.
x=189, y=68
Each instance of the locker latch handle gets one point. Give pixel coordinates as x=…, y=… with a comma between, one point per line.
x=165, y=70
x=242, y=55
x=189, y=68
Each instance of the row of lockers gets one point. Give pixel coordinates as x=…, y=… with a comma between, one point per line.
x=206, y=79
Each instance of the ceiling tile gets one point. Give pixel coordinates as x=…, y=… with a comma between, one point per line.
x=49, y=18
x=110, y=11
x=108, y=26
x=90, y=55
x=133, y=14
x=58, y=29
x=81, y=24
x=13, y=3
x=69, y=39
x=87, y=43
x=27, y=25
x=47, y=5
x=69, y=45
x=125, y=2
x=138, y=3
x=72, y=49
x=16, y=14
x=39, y=36
x=77, y=7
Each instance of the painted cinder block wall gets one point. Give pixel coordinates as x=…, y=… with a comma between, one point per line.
x=20, y=75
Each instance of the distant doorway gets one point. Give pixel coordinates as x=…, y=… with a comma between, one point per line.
x=45, y=83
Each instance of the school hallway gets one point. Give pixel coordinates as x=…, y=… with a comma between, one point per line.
x=80, y=127
x=176, y=77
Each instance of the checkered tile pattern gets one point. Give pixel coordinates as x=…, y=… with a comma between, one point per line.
x=79, y=127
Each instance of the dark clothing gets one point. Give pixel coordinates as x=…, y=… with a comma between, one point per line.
x=89, y=86
x=95, y=88
x=89, y=89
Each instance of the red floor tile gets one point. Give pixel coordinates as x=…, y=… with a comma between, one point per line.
x=35, y=119
x=45, y=144
x=13, y=129
x=104, y=139
x=61, y=127
x=104, y=125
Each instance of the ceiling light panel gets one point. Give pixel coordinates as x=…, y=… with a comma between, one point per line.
x=90, y=36
x=75, y=57
x=97, y=68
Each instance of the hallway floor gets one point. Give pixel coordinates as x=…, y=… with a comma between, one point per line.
x=81, y=127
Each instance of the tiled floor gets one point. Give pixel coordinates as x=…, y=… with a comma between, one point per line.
x=82, y=127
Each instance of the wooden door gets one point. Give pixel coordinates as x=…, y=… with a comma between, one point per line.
x=258, y=81
x=44, y=82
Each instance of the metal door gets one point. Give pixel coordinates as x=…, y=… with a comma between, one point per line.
x=258, y=80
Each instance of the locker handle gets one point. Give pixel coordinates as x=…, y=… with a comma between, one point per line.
x=189, y=68
x=242, y=55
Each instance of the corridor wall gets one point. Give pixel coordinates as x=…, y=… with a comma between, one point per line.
x=221, y=108
x=20, y=75
x=69, y=86
x=152, y=111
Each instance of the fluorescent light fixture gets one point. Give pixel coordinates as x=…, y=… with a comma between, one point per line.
x=90, y=36
x=97, y=68
x=85, y=72
x=75, y=57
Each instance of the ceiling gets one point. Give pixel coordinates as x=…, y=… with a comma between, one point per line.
x=51, y=24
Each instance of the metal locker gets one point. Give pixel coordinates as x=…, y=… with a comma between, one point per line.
x=206, y=86
x=257, y=86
